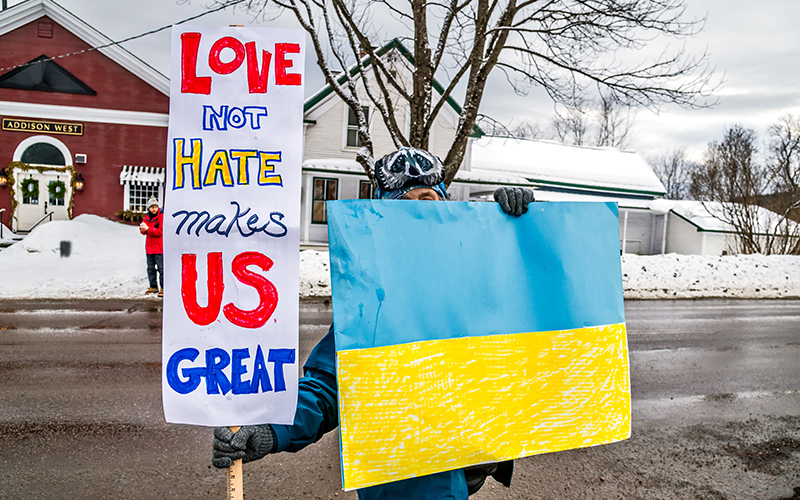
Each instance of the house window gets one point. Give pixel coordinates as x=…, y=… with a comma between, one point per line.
x=138, y=194
x=353, y=140
x=140, y=184
x=31, y=200
x=366, y=191
x=42, y=153
x=57, y=202
x=324, y=190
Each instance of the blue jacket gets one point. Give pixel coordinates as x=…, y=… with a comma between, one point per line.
x=317, y=413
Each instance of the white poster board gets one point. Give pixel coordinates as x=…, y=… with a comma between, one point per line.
x=231, y=226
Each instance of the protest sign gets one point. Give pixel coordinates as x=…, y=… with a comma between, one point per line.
x=467, y=336
x=231, y=226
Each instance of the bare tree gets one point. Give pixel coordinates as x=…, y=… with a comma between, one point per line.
x=566, y=47
x=784, y=163
x=571, y=127
x=674, y=171
x=784, y=148
x=606, y=122
x=735, y=184
x=522, y=130
x=614, y=123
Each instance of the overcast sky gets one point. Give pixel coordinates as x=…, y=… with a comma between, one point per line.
x=754, y=45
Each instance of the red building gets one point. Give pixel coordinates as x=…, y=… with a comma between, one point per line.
x=83, y=133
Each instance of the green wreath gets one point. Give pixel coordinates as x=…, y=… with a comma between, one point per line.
x=57, y=190
x=30, y=188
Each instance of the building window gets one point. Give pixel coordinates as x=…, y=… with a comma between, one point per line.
x=353, y=140
x=56, y=202
x=324, y=190
x=140, y=184
x=366, y=191
x=138, y=194
x=42, y=153
x=31, y=200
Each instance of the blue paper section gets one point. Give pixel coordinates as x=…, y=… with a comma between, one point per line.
x=406, y=271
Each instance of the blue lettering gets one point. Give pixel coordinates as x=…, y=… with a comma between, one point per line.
x=210, y=227
x=233, y=116
x=213, y=120
x=195, y=222
x=278, y=222
x=280, y=357
x=237, y=370
x=218, y=362
x=197, y=216
x=236, y=118
x=255, y=113
x=260, y=374
x=192, y=374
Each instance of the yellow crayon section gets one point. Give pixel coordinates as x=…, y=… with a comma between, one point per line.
x=415, y=409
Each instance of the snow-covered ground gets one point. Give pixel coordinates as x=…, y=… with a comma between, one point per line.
x=107, y=261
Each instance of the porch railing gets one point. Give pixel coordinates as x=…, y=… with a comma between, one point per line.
x=46, y=216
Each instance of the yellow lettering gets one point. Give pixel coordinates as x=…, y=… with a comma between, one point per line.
x=265, y=172
x=241, y=157
x=192, y=160
x=219, y=164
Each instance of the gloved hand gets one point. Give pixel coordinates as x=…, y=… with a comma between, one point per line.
x=513, y=201
x=250, y=443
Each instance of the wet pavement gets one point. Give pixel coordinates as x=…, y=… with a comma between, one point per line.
x=716, y=411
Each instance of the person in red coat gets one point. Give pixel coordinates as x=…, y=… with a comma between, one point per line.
x=151, y=227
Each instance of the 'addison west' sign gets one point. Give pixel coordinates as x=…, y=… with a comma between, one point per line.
x=36, y=126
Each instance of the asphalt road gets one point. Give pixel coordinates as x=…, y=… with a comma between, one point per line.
x=716, y=411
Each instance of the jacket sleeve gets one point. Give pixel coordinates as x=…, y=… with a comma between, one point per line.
x=317, y=406
x=155, y=230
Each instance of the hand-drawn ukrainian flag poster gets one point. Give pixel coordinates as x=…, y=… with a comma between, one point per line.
x=231, y=226
x=467, y=336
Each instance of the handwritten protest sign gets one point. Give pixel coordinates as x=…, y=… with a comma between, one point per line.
x=467, y=336
x=231, y=226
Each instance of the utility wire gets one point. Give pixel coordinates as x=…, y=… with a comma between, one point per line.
x=228, y=4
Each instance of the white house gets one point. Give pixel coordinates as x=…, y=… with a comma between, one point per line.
x=697, y=228
x=561, y=172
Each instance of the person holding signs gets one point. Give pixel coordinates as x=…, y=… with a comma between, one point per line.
x=406, y=174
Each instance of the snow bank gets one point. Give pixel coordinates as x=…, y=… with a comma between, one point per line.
x=107, y=261
x=691, y=276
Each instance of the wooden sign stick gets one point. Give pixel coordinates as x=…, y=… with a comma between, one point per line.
x=235, y=490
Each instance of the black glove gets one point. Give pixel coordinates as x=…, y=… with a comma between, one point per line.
x=250, y=443
x=513, y=201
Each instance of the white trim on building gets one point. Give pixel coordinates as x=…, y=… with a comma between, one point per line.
x=75, y=113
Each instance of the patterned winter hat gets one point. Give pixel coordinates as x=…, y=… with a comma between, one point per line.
x=152, y=201
x=406, y=169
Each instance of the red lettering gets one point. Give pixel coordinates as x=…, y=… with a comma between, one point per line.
x=216, y=64
x=190, y=82
x=202, y=315
x=282, y=64
x=257, y=79
x=267, y=293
